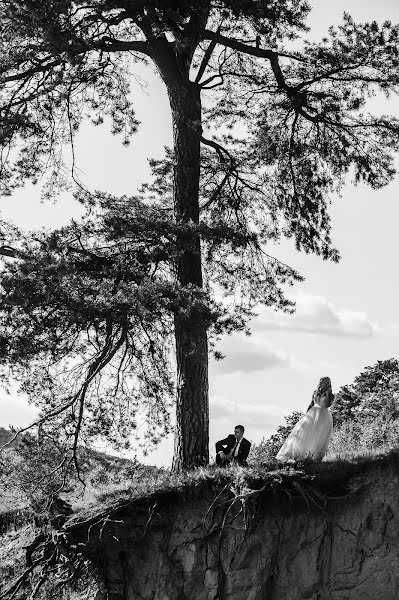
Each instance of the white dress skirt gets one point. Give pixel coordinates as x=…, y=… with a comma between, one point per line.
x=310, y=437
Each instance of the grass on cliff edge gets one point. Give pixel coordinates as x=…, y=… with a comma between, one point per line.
x=146, y=484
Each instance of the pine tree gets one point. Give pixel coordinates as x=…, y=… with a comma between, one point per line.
x=262, y=137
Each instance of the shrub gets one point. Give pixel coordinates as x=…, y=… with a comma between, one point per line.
x=364, y=435
x=267, y=449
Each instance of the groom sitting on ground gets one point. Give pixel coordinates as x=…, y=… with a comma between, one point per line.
x=235, y=448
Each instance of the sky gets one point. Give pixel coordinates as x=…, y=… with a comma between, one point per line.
x=347, y=313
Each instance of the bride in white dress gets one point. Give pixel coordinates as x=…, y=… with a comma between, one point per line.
x=310, y=437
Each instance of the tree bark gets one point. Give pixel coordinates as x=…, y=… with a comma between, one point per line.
x=192, y=407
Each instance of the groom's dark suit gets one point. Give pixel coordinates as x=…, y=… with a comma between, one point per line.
x=227, y=445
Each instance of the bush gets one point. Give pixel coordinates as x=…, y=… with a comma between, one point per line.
x=267, y=449
x=364, y=435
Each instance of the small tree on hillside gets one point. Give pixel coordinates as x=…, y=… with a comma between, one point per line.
x=262, y=137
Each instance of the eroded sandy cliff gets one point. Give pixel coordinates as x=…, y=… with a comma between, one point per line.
x=333, y=536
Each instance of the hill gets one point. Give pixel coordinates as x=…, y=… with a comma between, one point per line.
x=18, y=466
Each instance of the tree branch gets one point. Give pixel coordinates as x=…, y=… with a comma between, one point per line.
x=270, y=55
x=105, y=44
x=32, y=71
x=9, y=251
x=205, y=60
x=221, y=151
x=110, y=44
x=50, y=415
x=218, y=38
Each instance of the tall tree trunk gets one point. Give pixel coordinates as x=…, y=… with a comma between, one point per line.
x=192, y=409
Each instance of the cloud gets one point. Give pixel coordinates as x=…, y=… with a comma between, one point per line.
x=259, y=419
x=316, y=314
x=250, y=358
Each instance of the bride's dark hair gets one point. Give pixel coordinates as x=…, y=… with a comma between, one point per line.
x=324, y=387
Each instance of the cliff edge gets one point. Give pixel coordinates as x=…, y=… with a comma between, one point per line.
x=325, y=532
